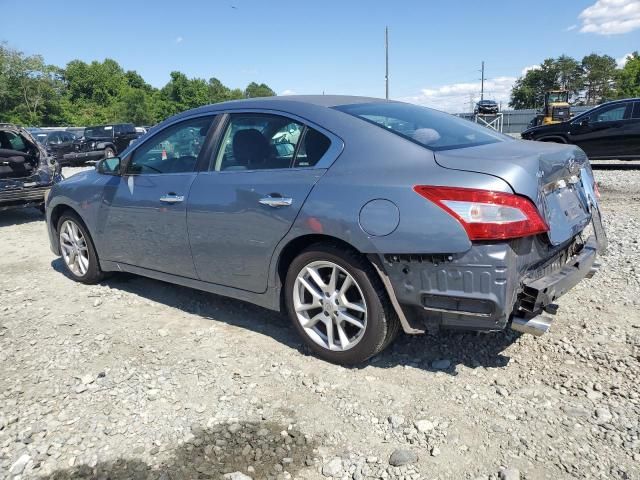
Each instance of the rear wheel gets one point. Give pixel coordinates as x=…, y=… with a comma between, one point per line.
x=77, y=250
x=338, y=305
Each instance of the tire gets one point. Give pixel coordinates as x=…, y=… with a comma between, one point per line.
x=109, y=152
x=350, y=342
x=73, y=233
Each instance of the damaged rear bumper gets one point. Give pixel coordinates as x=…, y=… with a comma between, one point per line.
x=489, y=286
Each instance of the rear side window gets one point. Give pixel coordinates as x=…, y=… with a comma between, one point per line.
x=255, y=141
x=430, y=128
x=312, y=148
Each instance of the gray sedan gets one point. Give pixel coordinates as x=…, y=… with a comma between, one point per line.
x=358, y=216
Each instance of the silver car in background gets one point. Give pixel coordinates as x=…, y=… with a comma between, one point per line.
x=358, y=216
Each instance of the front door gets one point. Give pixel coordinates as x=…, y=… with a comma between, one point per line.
x=246, y=203
x=601, y=134
x=144, y=212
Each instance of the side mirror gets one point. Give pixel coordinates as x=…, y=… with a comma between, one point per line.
x=585, y=122
x=109, y=166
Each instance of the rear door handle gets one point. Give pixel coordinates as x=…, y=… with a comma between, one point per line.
x=275, y=202
x=172, y=198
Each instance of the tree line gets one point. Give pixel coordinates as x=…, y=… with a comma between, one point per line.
x=34, y=93
x=593, y=80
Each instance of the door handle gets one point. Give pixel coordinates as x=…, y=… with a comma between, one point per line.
x=275, y=202
x=172, y=198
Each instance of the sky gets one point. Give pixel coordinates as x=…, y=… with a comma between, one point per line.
x=330, y=46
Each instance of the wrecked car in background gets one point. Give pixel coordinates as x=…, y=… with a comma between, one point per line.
x=27, y=172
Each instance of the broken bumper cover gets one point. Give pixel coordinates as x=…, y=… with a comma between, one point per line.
x=483, y=288
x=23, y=197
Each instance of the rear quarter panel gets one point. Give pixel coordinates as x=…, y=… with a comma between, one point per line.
x=376, y=164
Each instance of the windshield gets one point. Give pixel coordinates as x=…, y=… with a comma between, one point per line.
x=558, y=97
x=430, y=128
x=105, y=131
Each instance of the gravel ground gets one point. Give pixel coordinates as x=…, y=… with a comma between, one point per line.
x=138, y=379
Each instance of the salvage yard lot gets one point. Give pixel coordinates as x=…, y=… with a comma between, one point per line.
x=135, y=378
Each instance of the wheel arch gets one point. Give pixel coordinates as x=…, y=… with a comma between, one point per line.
x=56, y=213
x=296, y=245
x=553, y=139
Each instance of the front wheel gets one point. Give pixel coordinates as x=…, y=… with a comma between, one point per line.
x=338, y=305
x=77, y=250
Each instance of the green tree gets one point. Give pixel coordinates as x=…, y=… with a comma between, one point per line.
x=529, y=90
x=628, y=82
x=254, y=90
x=599, y=78
x=35, y=93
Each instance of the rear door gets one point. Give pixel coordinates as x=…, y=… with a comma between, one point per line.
x=602, y=133
x=263, y=170
x=143, y=213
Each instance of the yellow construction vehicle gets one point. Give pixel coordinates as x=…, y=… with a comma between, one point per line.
x=556, y=108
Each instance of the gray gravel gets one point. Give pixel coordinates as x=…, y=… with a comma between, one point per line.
x=138, y=379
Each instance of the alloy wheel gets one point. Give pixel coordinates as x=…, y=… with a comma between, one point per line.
x=73, y=246
x=330, y=306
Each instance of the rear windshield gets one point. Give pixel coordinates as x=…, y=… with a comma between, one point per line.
x=430, y=128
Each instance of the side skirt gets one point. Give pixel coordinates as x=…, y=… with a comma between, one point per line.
x=270, y=299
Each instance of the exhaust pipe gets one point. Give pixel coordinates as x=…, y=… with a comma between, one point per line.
x=535, y=326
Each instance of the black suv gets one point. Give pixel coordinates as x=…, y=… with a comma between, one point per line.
x=102, y=141
x=486, y=107
x=609, y=131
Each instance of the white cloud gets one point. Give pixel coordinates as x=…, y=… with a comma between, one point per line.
x=571, y=27
x=288, y=92
x=456, y=97
x=622, y=61
x=179, y=39
x=611, y=17
x=530, y=67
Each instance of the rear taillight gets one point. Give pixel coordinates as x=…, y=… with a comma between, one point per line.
x=487, y=215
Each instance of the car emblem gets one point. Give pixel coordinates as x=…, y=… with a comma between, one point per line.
x=539, y=174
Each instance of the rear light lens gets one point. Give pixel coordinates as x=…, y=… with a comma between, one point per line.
x=487, y=215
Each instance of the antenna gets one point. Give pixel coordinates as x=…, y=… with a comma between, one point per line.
x=386, y=61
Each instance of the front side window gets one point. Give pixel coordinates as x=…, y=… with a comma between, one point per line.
x=254, y=141
x=610, y=114
x=172, y=150
x=430, y=128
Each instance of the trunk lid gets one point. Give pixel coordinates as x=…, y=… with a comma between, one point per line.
x=549, y=174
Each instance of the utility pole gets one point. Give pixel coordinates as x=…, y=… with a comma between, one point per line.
x=482, y=82
x=386, y=61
